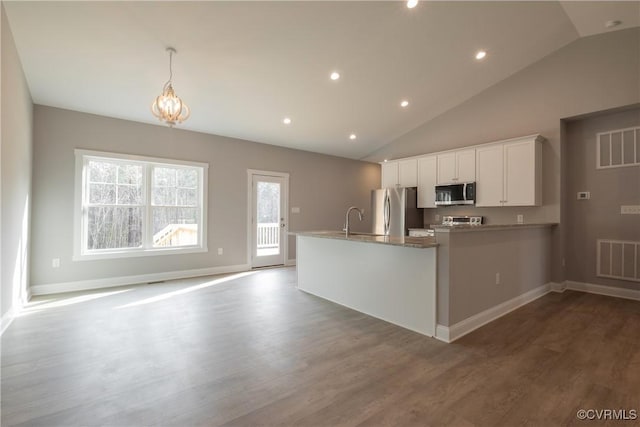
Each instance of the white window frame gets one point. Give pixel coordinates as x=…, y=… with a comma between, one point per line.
x=80, y=251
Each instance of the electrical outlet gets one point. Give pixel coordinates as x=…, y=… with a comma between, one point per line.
x=584, y=195
x=220, y=251
x=497, y=278
x=295, y=210
x=520, y=219
x=55, y=263
x=630, y=209
x=437, y=218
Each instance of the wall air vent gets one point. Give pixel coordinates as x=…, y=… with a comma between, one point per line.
x=618, y=148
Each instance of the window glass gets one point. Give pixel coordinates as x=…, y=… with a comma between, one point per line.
x=122, y=210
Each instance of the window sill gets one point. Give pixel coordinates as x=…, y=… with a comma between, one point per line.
x=139, y=253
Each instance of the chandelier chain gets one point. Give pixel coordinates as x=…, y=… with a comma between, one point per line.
x=170, y=66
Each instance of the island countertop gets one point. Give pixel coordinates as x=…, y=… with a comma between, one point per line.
x=405, y=241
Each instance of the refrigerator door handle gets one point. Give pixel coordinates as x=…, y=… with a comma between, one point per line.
x=387, y=213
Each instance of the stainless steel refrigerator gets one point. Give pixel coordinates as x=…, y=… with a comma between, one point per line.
x=395, y=210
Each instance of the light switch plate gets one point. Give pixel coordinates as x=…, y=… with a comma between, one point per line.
x=630, y=209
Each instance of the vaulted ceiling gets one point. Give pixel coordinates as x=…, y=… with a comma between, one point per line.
x=243, y=67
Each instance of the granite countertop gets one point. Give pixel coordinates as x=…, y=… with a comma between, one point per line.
x=489, y=227
x=405, y=241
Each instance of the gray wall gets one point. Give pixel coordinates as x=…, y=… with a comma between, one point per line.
x=591, y=74
x=468, y=263
x=599, y=217
x=16, y=144
x=322, y=186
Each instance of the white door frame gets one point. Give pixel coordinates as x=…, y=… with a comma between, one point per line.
x=285, y=213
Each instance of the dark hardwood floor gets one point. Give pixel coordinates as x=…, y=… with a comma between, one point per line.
x=250, y=350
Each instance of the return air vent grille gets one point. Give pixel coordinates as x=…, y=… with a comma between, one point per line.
x=618, y=148
x=619, y=259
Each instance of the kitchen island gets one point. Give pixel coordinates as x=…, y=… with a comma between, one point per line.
x=391, y=278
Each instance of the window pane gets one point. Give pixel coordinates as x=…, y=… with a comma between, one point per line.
x=130, y=174
x=164, y=177
x=268, y=202
x=164, y=196
x=175, y=227
x=102, y=194
x=102, y=171
x=111, y=227
x=187, y=197
x=129, y=195
x=187, y=178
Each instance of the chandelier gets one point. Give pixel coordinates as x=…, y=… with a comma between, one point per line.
x=168, y=107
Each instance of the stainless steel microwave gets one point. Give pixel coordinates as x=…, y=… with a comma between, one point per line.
x=456, y=194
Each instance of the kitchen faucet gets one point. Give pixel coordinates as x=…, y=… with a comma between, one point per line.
x=360, y=214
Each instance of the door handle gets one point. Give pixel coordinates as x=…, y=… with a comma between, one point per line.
x=282, y=225
x=387, y=213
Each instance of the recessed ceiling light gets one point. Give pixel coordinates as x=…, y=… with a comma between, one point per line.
x=286, y=121
x=412, y=3
x=404, y=104
x=335, y=75
x=613, y=23
x=386, y=160
x=481, y=54
x=352, y=136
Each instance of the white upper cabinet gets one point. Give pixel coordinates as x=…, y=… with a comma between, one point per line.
x=510, y=174
x=400, y=173
x=408, y=173
x=489, y=175
x=457, y=166
x=466, y=164
x=446, y=168
x=507, y=173
x=522, y=173
x=389, y=175
x=427, y=178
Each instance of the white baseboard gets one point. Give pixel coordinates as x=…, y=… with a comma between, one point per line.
x=442, y=333
x=7, y=318
x=290, y=262
x=462, y=328
x=84, y=285
x=610, y=291
x=557, y=287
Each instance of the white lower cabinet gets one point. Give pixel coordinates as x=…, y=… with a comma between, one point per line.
x=427, y=179
x=509, y=174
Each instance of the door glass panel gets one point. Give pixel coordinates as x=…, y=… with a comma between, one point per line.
x=268, y=218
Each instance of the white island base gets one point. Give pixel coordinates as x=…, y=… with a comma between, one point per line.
x=393, y=282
